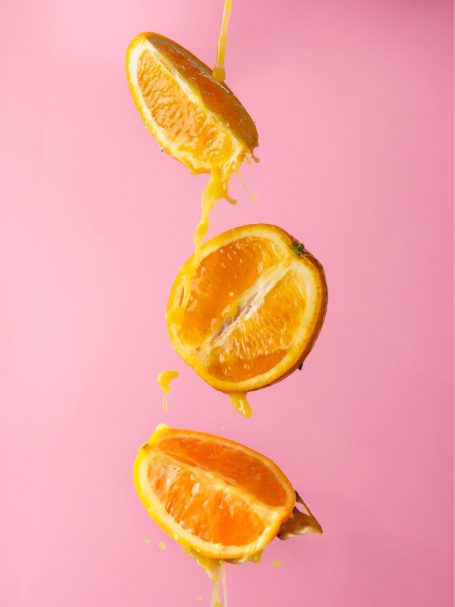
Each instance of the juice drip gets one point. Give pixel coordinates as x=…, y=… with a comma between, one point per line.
x=223, y=582
x=217, y=575
x=216, y=188
x=164, y=380
x=216, y=571
x=240, y=403
x=245, y=187
x=219, y=71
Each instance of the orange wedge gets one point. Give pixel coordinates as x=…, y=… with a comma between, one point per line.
x=257, y=304
x=219, y=499
x=193, y=117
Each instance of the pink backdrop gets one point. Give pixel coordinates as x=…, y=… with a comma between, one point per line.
x=352, y=100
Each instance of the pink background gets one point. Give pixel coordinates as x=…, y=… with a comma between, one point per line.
x=352, y=100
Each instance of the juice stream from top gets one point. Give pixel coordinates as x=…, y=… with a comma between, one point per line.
x=219, y=72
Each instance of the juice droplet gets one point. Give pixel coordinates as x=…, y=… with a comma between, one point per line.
x=199, y=597
x=256, y=557
x=219, y=71
x=147, y=540
x=240, y=403
x=164, y=381
x=276, y=563
x=245, y=187
x=162, y=546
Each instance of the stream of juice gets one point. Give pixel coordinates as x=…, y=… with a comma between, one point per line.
x=219, y=73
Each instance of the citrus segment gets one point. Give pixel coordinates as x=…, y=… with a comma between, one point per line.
x=258, y=300
x=260, y=340
x=195, y=118
x=235, y=465
x=222, y=277
x=214, y=496
x=209, y=513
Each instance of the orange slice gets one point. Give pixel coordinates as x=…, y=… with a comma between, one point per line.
x=257, y=304
x=219, y=499
x=193, y=117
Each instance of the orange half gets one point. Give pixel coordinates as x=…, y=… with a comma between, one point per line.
x=216, y=497
x=193, y=117
x=257, y=304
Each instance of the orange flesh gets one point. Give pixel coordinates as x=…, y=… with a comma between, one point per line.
x=190, y=128
x=216, y=490
x=217, y=97
x=242, y=345
x=236, y=467
x=259, y=343
x=211, y=514
x=221, y=278
x=218, y=498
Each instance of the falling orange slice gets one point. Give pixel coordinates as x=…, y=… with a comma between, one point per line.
x=257, y=304
x=193, y=117
x=219, y=499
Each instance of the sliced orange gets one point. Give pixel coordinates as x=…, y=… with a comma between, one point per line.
x=193, y=117
x=257, y=304
x=216, y=497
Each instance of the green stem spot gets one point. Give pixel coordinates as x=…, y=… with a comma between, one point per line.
x=298, y=248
